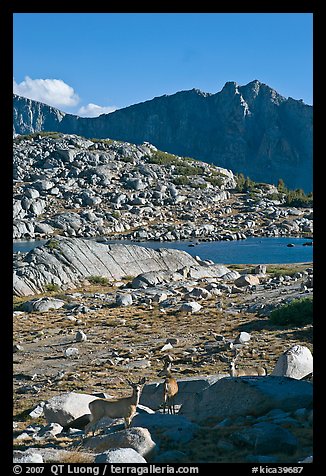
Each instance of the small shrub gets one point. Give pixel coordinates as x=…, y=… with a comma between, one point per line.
x=215, y=181
x=187, y=169
x=52, y=244
x=163, y=158
x=298, y=312
x=52, y=287
x=200, y=186
x=182, y=180
x=98, y=280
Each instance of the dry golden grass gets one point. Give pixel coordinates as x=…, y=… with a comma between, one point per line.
x=133, y=333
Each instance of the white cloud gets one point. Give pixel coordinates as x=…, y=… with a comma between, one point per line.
x=93, y=110
x=53, y=92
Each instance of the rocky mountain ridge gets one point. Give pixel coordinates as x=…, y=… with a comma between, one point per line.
x=250, y=129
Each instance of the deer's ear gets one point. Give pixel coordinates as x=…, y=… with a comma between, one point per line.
x=142, y=381
x=129, y=382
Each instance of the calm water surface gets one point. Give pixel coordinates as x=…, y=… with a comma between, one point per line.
x=250, y=251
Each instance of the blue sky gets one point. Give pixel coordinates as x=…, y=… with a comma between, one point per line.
x=89, y=63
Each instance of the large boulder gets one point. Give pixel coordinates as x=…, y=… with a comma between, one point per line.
x=120, y=455
x=66, y=407
x=67, y=262
x=247, y=280
x=42, y=304
x=152, y=393
x=296, y=362
x=267, y=438
x=191, y=307
x=174, y=427
x=136, y=438
x=238, y=396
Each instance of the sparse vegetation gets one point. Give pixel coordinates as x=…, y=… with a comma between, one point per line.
x=244, y=184
x=103, y=280
x=52, y=287
x=298, y=312
x=163, y=158
x=182, y=180
x=52, y=244
x=216, y=181
x=186, y=169
x=34, y=135
x=298, y=198
x=289, y=198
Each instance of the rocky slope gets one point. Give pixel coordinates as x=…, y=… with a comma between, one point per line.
x=72, y=186
x=72, y=347
x=69, y=261
x=249, y=129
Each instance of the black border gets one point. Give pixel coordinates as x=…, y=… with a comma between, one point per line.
x=236, y=6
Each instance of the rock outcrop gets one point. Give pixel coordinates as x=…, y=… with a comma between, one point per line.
x=69, y=185
x=250, y=129
x=66, y=262
x=230, y=397
x=296, y=362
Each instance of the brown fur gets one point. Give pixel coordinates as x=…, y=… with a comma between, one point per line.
x=255, y=371
x=170, y=388
x=120, y=408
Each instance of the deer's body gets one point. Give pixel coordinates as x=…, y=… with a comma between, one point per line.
x=170, y=388
x=119, y=408
x=255, y=371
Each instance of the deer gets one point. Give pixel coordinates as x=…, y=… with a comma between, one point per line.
x=254, y=371
x=247, y=371
x=244, y=372
x=118, y=408
x=170, y=386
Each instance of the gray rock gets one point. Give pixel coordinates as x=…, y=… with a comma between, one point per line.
x=31, y=193
x=80, y=336
x=199, y=293
x=123, y=300
x=135, y=184
x=67, y=407
x=296, y=362
x=231, y=397
x=37, y=207
x=43, y=185
x=43, y=228
x=42, y=305
x=260, y=269
x=54, y=455
x=24, y=457
x=71, y=352
x=52, y=429
x=136, y=438
x=242, y=338
x=230, y=276
x=71, y=261
x=174, y=427
x=266, y=438
x=37, y=411
x=120, y=455
x=191, y=307
x=66, y=155
x=247, y=280
x=17, y=348
x=151, y=395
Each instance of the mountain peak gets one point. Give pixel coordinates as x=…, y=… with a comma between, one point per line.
x=230, y=87
x=250, y=129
